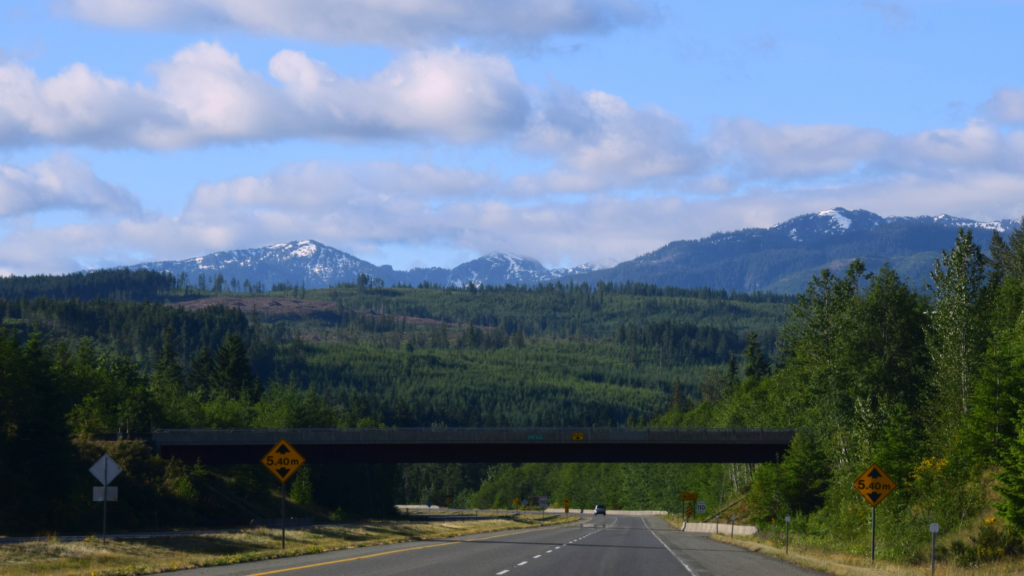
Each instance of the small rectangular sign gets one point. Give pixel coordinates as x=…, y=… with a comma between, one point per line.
x=98, y=493
x=542, y=502
x=702, y=507
x=688, y=496
x=577, y=435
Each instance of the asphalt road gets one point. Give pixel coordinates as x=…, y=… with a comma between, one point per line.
x=627, y=545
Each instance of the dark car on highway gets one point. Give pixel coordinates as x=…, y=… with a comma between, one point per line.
x=599, y=509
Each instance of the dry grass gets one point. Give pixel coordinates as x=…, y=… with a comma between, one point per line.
x=131, y=557
x=849, y=565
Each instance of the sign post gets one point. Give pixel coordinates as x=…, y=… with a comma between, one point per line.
x=566, y=503
x=283, y=461
x=105, y=469
x=934, y=529
x=874, y=485
x=732, y=522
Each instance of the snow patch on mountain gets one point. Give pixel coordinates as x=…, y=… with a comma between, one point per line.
x=840, y=220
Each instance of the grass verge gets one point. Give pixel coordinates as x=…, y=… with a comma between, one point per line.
x=850, y=565
x=153, y=556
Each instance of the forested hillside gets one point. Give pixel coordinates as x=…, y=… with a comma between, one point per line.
x=868, y=369
x=356, y=355
x=927, y=385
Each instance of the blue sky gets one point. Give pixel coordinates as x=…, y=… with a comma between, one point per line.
x=428, y=133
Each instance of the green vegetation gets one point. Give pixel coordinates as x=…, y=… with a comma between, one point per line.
x=929, y=386
x=75, y=369
x=926, y=384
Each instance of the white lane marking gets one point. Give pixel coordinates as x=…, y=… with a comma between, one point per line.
x=537, y=556
x=548, y=552
x=692, y=573
x=502, y=572
x=521, y=563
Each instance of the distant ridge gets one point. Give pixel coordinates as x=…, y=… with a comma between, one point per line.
x=780, y=259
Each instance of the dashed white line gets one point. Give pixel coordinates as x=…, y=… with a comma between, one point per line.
x=502, y=572
x=537, y=556
x=548, y=552
x=521, y=563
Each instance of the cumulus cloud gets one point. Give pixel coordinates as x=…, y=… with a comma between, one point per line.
x=601, y=142
x=204, y=95
x=792, y=151
x=1006, y=106
x=61, y=182
x=361, y=206
x=387, y=22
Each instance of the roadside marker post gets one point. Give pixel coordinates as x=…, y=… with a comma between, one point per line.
x=283, y=461
x=934, y=529
x=874, y=485
x=732, y=522
x=787, y=534
x=105, y=469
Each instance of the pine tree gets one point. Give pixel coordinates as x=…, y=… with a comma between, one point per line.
x=232, y=372
x=201, y=371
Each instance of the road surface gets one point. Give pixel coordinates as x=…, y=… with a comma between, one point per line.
x=629, y=545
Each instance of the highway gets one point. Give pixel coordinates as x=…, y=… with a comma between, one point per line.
x=629, y=545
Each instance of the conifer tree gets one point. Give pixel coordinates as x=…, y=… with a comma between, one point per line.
x=956, y=335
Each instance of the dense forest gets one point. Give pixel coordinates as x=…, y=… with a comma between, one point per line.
x=160, y=353
x=925, y=382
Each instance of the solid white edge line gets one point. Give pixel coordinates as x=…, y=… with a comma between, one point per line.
x=692, y=573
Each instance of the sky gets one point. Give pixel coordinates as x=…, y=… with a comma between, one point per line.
x=431, y=132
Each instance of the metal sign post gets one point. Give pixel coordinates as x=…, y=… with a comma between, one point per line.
x=732, y=522
x=934, y=529
x=874, y=485
x=283, y=460
x=105, y=469
x=787, y=534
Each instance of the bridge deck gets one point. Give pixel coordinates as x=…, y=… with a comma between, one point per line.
x=412, y=445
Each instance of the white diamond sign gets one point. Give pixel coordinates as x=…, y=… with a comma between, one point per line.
x=105, y=469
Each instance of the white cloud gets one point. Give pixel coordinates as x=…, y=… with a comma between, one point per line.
x=61, y=182
x=204, y=95
x=1006, y=106
x=793, y=151
x=602, y=143
x=387, y=22
x=360, y=207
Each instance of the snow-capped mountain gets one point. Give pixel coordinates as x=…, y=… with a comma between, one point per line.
x=306, y=261
x=781, y=258
x=317, y=265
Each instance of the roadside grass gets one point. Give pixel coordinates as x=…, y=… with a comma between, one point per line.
x=842, y=564
x=151, y=556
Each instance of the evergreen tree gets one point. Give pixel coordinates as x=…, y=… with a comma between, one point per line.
x=757, y=364
x=201, y=371
x=956, y=335
x=232, y=372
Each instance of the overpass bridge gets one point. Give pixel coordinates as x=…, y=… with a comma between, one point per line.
x=441, y=445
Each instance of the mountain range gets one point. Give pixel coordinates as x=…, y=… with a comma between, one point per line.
x=779, y=259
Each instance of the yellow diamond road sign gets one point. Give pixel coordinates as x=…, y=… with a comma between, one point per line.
x=283, y=460
x=874, y=485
